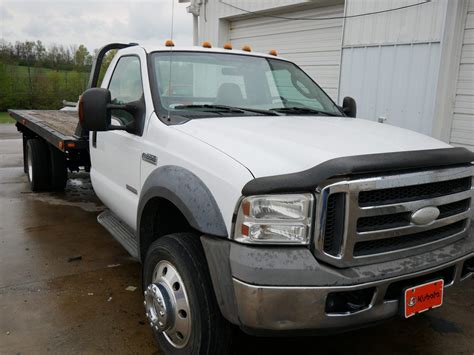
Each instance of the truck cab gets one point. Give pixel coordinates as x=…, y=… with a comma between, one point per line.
x=253, y=200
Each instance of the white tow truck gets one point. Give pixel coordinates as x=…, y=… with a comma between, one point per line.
x=253, y=200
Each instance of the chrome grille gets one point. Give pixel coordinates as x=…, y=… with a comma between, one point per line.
x=375, y=224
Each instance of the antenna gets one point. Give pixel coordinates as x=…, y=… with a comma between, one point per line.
x=171, y=56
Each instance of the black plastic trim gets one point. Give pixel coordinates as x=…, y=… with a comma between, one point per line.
x=308, y=180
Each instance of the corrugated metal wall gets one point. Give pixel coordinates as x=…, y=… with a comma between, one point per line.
x=394, y=82
x=462, y=131
x=313, y=45
x=390, y=61
x=417, y=24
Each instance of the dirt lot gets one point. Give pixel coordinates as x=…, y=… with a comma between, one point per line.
x=63, y=283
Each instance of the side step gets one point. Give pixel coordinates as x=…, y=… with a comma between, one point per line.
x=120, y=231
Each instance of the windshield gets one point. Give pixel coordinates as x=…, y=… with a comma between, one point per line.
x=190, y=82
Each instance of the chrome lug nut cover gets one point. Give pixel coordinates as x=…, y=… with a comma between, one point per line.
x=167, y=305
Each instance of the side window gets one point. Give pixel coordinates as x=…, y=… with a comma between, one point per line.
x=126, y=86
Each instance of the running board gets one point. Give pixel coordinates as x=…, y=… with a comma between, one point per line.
x=120, y=231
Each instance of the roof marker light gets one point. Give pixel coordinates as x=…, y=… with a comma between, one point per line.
x=228, y=45
x=207, y=44
x=247, y=48
x=169, y=43
x=273, y=52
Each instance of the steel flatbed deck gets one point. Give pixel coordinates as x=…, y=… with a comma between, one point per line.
x=56, y=127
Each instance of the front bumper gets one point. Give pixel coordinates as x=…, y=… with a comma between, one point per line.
x=266, y=290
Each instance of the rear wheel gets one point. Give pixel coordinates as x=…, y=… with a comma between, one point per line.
x=179, y=299
x=58, y=169
x=38, y=164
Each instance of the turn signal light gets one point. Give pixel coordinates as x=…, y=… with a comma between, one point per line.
x=247, y=48
x=169, y=43
x=207, y=44
x=273, y=52
x=228, y=45
x=61, y=145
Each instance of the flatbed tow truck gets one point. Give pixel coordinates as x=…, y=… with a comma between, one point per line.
x=252, y=200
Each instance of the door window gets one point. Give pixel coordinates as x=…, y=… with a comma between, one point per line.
x=126, y=86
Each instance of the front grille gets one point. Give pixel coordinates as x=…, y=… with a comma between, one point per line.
x=407, y=241
x=369, y=220
x=387, y=221
x=413, y=193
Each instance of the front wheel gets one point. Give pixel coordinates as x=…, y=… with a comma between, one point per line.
x=179, y=299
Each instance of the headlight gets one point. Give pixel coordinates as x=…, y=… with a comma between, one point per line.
x=278, y=219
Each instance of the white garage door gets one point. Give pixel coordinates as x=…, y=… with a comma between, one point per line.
x=462, y=131
x=313, y=45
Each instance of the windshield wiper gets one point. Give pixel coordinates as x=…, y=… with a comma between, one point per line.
x=304, y=110
x=224, y=108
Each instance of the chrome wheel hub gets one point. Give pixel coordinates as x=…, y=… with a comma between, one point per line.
x=167, y=306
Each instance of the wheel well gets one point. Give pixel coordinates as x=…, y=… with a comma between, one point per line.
x=160, y=217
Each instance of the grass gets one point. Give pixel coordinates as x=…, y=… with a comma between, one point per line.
x=5, y=118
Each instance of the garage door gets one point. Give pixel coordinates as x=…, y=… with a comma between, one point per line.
x=313, y=45
x=462, y=131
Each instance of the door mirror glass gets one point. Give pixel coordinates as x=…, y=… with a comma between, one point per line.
x=349, y=106
x=94, y=113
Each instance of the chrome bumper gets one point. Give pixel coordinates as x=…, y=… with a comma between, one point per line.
x=293, y=308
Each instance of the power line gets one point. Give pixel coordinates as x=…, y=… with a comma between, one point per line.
x=324, y=18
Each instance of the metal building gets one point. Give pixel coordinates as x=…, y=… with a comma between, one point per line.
x=412, y=67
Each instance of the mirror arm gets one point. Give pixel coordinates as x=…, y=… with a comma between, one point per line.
x=116, y=128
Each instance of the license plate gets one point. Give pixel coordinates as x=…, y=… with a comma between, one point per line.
x=424, y=297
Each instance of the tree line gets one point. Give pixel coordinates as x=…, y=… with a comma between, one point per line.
x=33, y=76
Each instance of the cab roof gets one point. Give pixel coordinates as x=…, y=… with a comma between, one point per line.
x=150, y=49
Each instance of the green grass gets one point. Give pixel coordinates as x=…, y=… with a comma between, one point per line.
x=5, y=118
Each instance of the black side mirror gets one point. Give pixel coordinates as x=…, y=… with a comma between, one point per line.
x=349, y=106
x=94, y=114
x=95, y=110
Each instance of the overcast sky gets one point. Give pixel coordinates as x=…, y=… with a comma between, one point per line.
x=94, y=23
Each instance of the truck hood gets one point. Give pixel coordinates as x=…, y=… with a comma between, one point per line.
x=274, y=145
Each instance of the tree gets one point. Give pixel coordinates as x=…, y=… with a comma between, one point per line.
x=80, y=57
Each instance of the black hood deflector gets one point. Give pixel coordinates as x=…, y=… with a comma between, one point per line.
x=308, y=180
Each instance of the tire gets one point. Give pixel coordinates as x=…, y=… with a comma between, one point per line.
x=39, y=166
x=209, y=332
x=58, y=169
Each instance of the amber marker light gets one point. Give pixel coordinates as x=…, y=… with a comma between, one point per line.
x=228, y=46
x=245, y=230
x=61, y=145
x=246, y=208
x=169, y=43
x=207, y=44
x=247, y=48
x=273, y=52
x=71, y=145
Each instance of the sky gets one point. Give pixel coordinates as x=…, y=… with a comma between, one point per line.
x=94, y=23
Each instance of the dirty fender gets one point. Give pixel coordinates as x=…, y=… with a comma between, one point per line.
x=189, y=194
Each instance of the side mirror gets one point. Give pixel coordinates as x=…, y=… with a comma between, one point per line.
x=349, y=106
x=95, y=110
x=94, y=113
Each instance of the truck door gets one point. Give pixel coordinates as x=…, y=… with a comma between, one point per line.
x=116, y=155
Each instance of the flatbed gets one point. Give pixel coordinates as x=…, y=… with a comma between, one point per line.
x=57, y=127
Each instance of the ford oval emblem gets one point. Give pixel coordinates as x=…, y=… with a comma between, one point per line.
x=425, y=215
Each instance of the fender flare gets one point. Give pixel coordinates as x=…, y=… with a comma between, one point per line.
x=189, y=194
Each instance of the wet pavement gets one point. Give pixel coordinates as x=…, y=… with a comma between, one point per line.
x=63, y=283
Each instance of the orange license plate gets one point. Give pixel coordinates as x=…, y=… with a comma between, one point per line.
x=423, y=297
